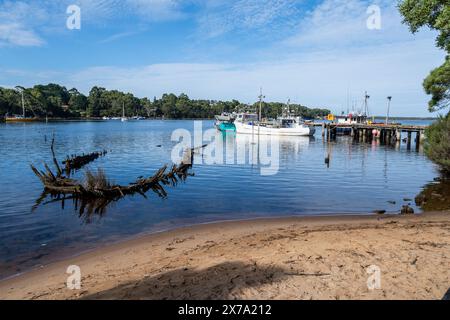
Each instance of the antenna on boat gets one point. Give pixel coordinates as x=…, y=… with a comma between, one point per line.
x=348, y=99
x=366, y=104
x=261, y=97
x=288, y=107
x=389, y=108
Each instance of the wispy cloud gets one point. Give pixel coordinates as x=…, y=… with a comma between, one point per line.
x=25, y=23
x=17, y=34
x=118, y=36
x=221, y=17
x=18, y=21
x=343, y=23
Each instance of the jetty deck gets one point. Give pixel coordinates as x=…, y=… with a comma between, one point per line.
x=387, y=133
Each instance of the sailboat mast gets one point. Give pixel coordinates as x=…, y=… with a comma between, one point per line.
x=23, y=104
x=261, y=97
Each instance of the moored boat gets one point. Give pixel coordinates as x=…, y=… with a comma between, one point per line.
x=17, y=118
x=279, y=127
x=285, y=125
x=225, y=122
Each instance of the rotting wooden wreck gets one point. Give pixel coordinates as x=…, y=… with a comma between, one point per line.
x=98, y=195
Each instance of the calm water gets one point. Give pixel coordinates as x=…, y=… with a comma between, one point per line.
x=360, y=178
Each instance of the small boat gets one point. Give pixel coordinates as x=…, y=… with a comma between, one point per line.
x=20, y=118
x=225, y=122
x=17, y=118
x=106, y=118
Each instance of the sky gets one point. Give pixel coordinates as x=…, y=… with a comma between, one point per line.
x=320, y=53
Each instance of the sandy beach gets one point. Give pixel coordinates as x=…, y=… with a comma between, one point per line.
x=287, y=258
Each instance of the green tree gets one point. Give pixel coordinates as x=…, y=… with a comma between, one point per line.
x=438, y=143
x=434, y=14
x=95, y=102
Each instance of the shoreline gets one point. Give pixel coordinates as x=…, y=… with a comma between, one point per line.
x=232, y=248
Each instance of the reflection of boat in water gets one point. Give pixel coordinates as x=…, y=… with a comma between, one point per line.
x=225, y=122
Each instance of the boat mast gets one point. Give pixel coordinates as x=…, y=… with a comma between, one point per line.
x=23, y=105
x=289, y=108
x=21, y=89
x=261, y=97
x=123, y=109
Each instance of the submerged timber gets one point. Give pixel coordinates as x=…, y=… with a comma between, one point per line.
x=96, y=192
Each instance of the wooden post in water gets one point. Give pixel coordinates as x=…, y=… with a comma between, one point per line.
x=409, y=140
x=422, y=136
x=417, y=140
x=398, y=134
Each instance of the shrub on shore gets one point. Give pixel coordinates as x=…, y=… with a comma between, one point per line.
x=437, y=146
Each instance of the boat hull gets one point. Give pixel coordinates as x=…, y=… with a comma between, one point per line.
x=21, y=119
x=294, y=131
x=224, y=126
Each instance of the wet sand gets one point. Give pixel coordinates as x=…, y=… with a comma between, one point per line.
x=287, y=258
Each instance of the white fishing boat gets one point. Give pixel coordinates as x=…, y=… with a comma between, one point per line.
x=279, y=127
x=286, y=125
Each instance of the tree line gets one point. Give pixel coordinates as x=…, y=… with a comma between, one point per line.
x=53, y=100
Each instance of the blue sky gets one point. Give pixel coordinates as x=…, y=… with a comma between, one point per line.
x=312, y=52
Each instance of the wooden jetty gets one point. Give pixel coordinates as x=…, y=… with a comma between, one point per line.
x=386, y=133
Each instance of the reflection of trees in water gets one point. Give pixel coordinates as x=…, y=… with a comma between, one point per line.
x=435, y=196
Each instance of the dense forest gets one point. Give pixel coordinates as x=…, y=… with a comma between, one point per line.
x=53, y=100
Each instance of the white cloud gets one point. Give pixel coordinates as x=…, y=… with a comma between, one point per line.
x=16, y=34
x=18, y=21
x=343, y=23
x=23, y=23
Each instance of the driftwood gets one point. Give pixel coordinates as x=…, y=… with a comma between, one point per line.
x=74, y=162
x=95, y=193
